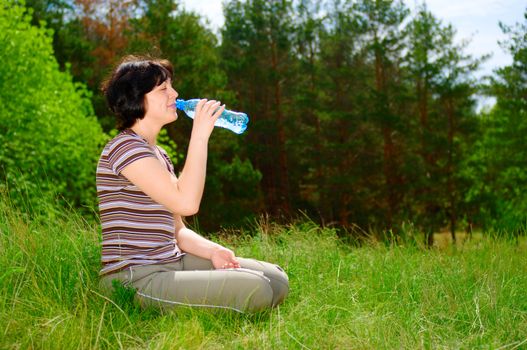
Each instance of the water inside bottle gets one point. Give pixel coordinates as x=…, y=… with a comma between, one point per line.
x=234, y=121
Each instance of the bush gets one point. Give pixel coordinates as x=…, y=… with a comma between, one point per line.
x=50, y=137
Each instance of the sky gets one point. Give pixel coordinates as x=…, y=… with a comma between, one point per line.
x=475, y=20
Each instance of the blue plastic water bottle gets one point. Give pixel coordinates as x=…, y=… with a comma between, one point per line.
x=234, y=121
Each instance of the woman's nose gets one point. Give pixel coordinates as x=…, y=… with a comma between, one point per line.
x=173, y=92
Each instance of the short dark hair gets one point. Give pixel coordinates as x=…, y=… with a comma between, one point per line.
x=129, y=82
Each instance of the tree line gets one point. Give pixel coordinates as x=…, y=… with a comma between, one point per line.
x=362, y=113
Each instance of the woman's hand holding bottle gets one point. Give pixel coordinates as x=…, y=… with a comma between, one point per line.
x=206, y=114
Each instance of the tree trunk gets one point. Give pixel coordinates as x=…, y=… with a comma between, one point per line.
x=283, y=173
x=450, y=168
x=429, y=238
x=422, y=95
x=388, y=149
x=319, y=166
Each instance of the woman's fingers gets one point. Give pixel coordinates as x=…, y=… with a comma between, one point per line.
x=213, y=108
x=230, y=265
x=209, y=107
x=231, y=261
x=218, y=112
x=199, y=106
x=207, y=112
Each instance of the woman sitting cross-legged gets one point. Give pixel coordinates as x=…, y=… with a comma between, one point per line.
x=145, y=243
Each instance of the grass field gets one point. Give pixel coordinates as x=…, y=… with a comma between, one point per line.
x=375, y=296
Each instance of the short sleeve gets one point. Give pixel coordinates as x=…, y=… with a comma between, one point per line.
x=168, y=161
x=126, y=151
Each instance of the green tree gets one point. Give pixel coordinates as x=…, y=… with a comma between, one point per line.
x=444, y=108
x=385, y=42
x=350, y=156
x=497, y=169
x=256, y=52
x=71, y=46
x=307, y=147
x=49, y=135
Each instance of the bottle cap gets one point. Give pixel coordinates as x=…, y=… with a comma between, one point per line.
x=180, y=104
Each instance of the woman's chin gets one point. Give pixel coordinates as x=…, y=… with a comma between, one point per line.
x=173, y=117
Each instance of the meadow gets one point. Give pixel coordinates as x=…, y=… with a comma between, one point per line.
x=371, y=295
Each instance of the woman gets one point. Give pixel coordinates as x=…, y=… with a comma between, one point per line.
x=145, y=243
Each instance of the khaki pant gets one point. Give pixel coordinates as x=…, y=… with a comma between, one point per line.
x=193, y=281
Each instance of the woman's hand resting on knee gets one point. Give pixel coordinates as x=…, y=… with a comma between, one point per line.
x=223, y=258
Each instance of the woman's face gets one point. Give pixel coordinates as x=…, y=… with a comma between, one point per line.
x=160, y=103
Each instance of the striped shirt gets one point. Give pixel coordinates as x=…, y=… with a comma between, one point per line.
x=135, y=229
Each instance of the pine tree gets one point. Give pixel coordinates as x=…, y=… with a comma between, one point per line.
x=256, y=49
x=385, y=42
x=501, y=157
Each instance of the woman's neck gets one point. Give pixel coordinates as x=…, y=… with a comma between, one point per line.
x=148, y=132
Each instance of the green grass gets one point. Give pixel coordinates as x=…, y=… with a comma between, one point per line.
x=342, y=297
